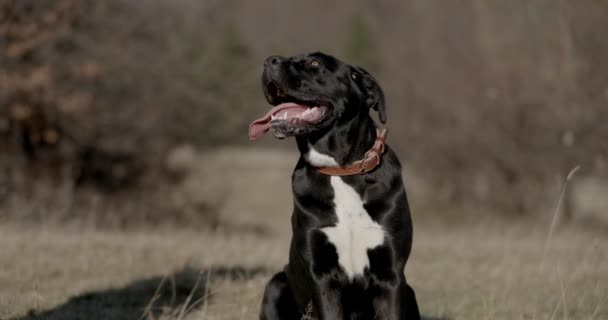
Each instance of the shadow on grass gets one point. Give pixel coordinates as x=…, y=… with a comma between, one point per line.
x=153, y=298
x=158, y=298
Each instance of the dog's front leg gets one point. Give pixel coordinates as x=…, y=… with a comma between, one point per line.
x=327, y=305
x=396, y=303
x=386, y=304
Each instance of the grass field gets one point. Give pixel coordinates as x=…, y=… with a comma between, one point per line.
x=481, y=270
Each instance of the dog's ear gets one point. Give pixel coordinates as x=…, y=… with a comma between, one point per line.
x=374, y=96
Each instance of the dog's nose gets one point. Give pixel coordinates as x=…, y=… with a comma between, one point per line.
x=273, y=60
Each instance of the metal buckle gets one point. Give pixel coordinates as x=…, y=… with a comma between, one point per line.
x=362, y=169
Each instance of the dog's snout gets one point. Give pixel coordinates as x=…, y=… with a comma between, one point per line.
x=273, y=61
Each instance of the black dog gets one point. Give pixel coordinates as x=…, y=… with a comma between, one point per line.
x=352, y=231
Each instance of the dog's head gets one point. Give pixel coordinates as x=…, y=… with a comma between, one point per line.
x=311, y=92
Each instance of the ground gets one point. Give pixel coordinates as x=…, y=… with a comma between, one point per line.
x=477, y=270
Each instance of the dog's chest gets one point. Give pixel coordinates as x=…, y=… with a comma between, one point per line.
x=355, y=232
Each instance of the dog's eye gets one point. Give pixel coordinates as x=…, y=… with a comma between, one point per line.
x=315, y=64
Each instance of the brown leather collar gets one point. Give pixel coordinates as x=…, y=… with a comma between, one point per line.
x=370, y=160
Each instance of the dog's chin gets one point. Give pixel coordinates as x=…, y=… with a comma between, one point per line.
x=281, y=130
x=284, y=129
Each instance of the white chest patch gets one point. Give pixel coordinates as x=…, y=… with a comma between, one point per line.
x=318, y=159
x=355, y=231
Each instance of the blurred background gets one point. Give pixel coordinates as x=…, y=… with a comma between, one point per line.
x=132, y=115
x=490, y=104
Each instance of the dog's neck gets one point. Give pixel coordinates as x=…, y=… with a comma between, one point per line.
x=341, y=144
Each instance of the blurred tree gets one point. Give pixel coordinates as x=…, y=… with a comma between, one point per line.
x=360, y=47
x=230, y=58
x=226, y=71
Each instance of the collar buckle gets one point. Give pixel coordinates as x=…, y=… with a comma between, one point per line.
x=371, y=159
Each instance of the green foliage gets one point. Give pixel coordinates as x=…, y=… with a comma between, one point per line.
x=223, y=67
x=226, y=74
x=360, y=46
x=233, y=50
x=233, y=46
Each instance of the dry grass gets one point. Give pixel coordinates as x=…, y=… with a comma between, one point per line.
x=482, y=270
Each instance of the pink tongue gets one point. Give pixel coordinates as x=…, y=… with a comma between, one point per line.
x=260, y=126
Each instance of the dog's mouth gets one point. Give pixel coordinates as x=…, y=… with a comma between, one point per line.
x=289, y=115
